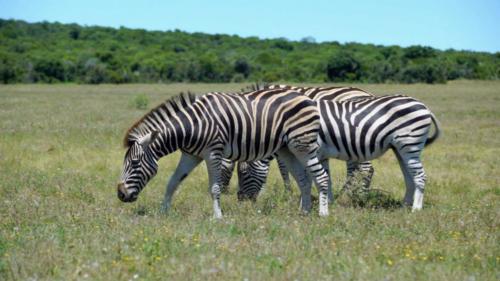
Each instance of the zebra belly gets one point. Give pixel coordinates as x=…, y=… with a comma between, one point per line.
x=240, y=153
x=330, y=150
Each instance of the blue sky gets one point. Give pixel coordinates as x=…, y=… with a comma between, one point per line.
x=443, y=24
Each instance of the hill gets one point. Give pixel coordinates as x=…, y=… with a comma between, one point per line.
x=55, y=52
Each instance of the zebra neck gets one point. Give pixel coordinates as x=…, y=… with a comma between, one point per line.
x=171, y=139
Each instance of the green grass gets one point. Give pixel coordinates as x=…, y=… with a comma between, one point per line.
x=60, y=219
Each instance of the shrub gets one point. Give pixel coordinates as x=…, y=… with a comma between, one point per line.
x=95, y=72
x=50, y=70
x=343, y=66
x=74, y=33
x=7, y=72
x=179, y=48
x=242, y=66
x=238, y=78
x=271, y=76
x=416, y=52
x=427, y=73
x=53, y=52
x=141, y=101
x=283, y=44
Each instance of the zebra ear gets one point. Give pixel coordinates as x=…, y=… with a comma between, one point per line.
x=146, y=140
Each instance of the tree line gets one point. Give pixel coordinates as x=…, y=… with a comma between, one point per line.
x=54, y=52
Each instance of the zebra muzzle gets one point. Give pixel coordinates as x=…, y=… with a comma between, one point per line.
x=124, y=195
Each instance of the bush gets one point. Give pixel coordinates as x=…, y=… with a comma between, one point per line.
x=467, y=67
x=427, y=73
x=243, y=67
x=271, y=77
x=74, y=33
x=50, y=70
x=95, y=72
x=179, y=49
x=7, y=72
x=238, y=78
x=284, y=45
x=141, y=101
x=343, y=67
x=416, y=52
x=53, y=52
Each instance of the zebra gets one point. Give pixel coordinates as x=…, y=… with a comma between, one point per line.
x=224, y=125
x=252, y=175
x=362, y=129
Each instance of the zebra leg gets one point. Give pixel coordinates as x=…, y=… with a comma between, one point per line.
x=321, y=179
x=419, y=177
x=367, y=169
x=415, y=178
x=326, y=166
x=301, y=177
x=227, y=168
x=410, y=186
x=284, y=174
x=215, y=180
x=353, y=168
x=186, y=165
x=306, y=155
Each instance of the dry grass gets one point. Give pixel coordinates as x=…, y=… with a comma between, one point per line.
x=60, y=157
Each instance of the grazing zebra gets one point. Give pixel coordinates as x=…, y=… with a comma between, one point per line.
x=220, y=125
x=252, y=175
x=362, y=129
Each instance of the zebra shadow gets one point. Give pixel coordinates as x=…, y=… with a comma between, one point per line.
x=372, y=198
x=142, y=211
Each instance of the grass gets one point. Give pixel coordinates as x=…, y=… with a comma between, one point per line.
x=61, y=155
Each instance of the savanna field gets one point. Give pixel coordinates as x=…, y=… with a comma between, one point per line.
x=60, y=219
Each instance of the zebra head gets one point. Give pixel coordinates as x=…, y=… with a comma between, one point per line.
x=251, y=178
x=139, y=166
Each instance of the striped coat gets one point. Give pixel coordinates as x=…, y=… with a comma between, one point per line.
x=220, y=125
x=252, y=175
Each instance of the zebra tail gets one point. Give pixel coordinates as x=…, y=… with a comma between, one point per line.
x=437, y=131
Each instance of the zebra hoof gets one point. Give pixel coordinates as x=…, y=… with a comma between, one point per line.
x=415, y=210
x=217, y=216
x=323, y=213
x=164, y=209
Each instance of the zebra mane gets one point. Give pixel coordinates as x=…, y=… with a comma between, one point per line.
x=157, y=115
x=257, y=86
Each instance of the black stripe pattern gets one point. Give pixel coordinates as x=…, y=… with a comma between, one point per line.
x=362, y=128
x=252, y=175
x=223, y=125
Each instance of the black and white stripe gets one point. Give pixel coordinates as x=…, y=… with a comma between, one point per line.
x=220, y=125
x=365, y=128
x=227, y=168
x=252, y=175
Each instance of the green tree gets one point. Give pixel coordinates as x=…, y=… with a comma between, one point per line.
x=242, y=66
x=54, y=52
x=342, y=66
x=415, y=52
x=428, y=73
x=7, y=72
x=50, y=70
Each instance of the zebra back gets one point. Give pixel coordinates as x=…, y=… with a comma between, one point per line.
x=363, y=129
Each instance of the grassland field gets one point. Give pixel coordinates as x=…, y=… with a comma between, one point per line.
x=60, y=219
